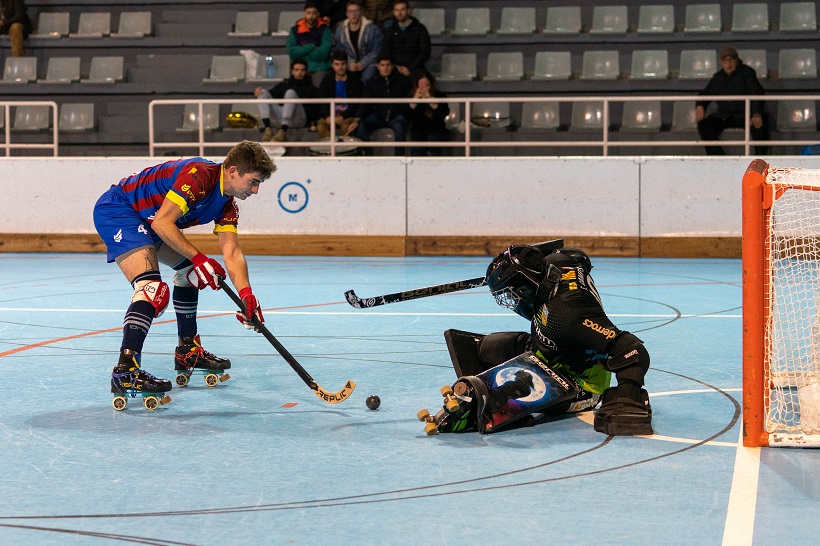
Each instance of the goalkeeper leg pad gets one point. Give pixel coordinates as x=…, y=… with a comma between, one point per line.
x=625, y=410
x=474, y=353
x=628, y=358
x=463, y=348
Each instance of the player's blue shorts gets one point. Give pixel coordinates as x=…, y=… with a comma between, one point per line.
x=119, y=226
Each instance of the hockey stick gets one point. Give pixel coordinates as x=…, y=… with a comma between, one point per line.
x=326, y=396
x=408, y=295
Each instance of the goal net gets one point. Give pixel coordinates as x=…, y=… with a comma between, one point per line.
x=781, y=306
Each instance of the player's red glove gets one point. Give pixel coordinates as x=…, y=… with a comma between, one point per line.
x=252, y=308
x=205, y=272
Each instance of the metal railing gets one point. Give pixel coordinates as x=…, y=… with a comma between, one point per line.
x=8, y=145
x=605, y=129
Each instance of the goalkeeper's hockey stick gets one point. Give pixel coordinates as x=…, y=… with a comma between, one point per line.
x=330, y=397
x=408, y=295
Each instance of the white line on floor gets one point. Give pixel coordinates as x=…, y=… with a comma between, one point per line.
x=740, y=515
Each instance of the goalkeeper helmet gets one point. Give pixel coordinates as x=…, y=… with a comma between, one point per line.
x=514, y=277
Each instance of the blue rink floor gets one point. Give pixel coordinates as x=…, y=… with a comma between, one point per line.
x=260, y=460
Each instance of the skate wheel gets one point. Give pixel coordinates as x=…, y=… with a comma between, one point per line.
x=451, y=404
x=462, y=389
x=224, y=377
x=423, y=415
x=119, y=403
x=446, y=390
x=150, y=402
x=181, y=379
x=430, y=429
x=165, y=399
x=211, y=379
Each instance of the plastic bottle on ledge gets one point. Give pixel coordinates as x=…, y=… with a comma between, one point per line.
x=269, y=68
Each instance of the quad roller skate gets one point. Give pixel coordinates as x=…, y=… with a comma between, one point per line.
x=190, y=357
x=464, y=403
x=128, y=379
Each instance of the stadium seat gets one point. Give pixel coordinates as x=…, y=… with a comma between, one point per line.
x=798, y=16
x=62, y=70
x=20, y=70
x=600, y=65
x=797, y=64
x=472, y=21
x=250, y=23
x=491, y=115
x=641, y=116
x=52, y=25
x=540, y=115
x=750, y=17
x=660, y=18
x=281, y=69
x=702, y=18
x=458, y=67
x=609, y=20
x=796, y=116
x=31, y=118
x=587, y=115
x=505, y=66
x=432, y=18
x=77, y=117
x=93, y=25
x=756, y=58
x=696, y=64
x=286, y=20
x=650, y=64
x=563, y=20
x=552, y=65
x=226, y=69
x=134, y=24
x=2, y=117
x=683, y=116
x=385, y=134
x=517, y=20
x=210, y=118
x=106, y=70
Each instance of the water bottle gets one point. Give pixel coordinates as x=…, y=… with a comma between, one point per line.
x=269, y=71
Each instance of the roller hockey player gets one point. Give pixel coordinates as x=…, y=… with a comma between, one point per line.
x=573, y=348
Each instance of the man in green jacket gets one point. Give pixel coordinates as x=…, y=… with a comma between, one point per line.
x=311, y=39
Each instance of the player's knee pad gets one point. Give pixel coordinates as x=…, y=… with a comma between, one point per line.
x=628, y=358
x=181, y=276
x=499, y=347
x=155, y=292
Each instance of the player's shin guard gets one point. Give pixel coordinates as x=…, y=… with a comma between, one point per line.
x=625, y=409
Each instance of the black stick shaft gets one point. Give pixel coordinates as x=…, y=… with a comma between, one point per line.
x=360, y=303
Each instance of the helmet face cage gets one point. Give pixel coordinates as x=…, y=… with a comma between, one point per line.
x=514, y=277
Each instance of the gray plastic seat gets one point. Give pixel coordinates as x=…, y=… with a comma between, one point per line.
x=472, y=21
x=587, y=115
x=563, y=20
x=134, y=24
x=32, y=118
x=491, y=115
x=210, y=118
x=106, y=69
x=552, y=65
x=20, y=70
x=517, y=20
x=683, y=116
x=750, y=17
x=540, y=115
x=797, y=63
x=432, y=18
x=250, y=23
x=505, y=66
x=385, y=134
x=641, y=115
x=52, y=25
x=650, y=65
x=93, y=25
x=696, y=64
x=756, y=58
x=702, y=18
x=600, y=65
x=609, y=20
x=458, y=67
x=77, y=117
x=656, y=18
x=286, y=20
x=798, y=16
x=2, y=117
x=62, y=70
x=796, y=115
x=226, y=69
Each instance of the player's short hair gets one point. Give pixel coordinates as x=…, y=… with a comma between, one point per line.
x=250, y=157
x=311, y=4
x=294, y=62
x=338, y=55
x=384, y=56
x=405, y=2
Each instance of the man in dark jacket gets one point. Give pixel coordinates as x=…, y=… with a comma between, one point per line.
x=15, y=22
x=406, y=40
x=734, y=78
x=340, y=84
x=291, y=114
x=388, y=83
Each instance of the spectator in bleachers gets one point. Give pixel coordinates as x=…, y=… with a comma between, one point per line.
x=311, y=39
x=341, y=83
x=331, y=11
x=387, y=83
x=14, y=21
x=361, y=40
x=285, y=116
x=734, y=78
x=406, y=40
x=427, y=119
x=377, y=11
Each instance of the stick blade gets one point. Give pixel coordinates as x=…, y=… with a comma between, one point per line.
x=354, y=300
x=335, y=397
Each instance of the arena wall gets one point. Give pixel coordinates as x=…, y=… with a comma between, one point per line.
x=624, y=206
